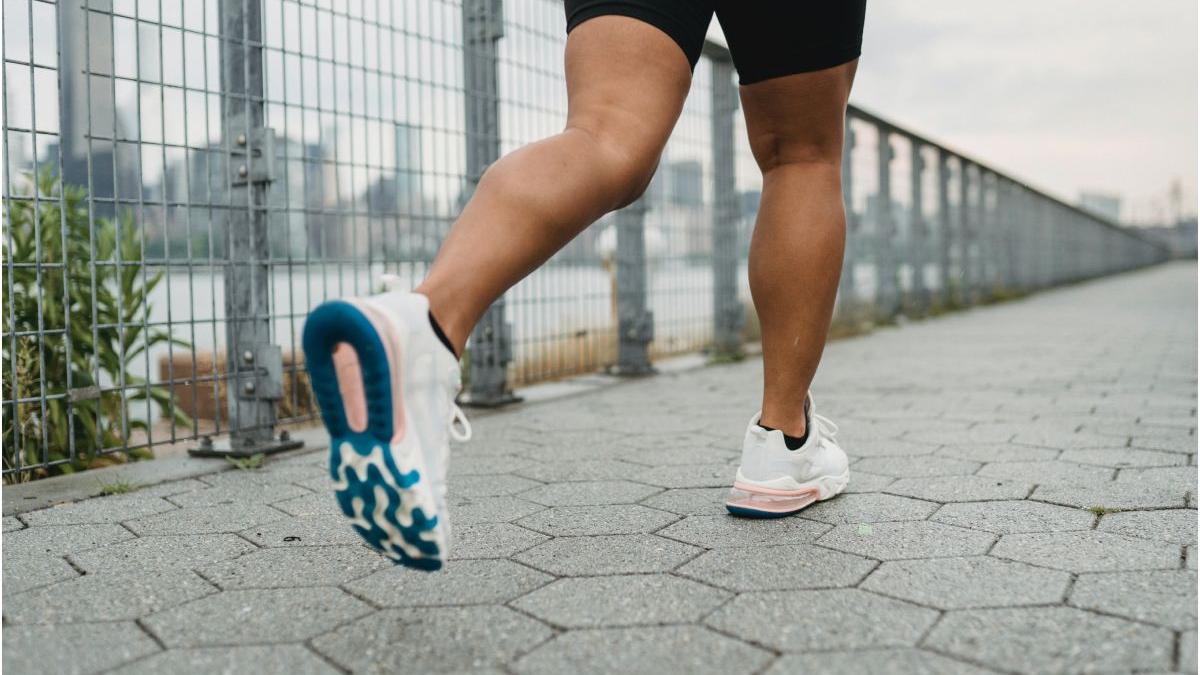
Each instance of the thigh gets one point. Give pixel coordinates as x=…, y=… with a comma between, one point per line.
x=773, y=39
x=626, y=83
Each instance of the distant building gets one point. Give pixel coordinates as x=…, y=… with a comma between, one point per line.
x=1103, y=204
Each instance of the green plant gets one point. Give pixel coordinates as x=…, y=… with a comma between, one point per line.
x=117, y=487
x=247, y=463
x=76, y=299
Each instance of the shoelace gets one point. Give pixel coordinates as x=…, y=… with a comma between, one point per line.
x=826, y=426
x=460, y=426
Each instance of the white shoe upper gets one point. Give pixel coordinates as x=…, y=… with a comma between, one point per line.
x=767, y=462
x=430, y=380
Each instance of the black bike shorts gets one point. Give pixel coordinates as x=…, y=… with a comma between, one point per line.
x=767, y=38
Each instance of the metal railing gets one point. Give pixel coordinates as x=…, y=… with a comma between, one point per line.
x=185, y=180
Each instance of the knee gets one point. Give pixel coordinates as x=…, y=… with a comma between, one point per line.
x=813, y=148
x=624, y=166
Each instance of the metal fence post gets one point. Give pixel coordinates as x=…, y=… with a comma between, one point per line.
x=966, y=271
x=846, y=296
x=888, y=287
x=635, y=322
x=491, y=340
x=728, y=313
x=254, y=365
x=918, y=230
x=946, y=227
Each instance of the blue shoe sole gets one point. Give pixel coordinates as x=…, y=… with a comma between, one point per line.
x=742, y=512
x=382, y=501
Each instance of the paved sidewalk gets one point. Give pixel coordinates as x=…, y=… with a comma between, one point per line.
x=1022, y=499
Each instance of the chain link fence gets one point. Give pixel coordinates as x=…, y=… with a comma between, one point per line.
x=185, y=180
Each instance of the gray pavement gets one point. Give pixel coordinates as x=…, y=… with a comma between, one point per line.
x=1022, y=500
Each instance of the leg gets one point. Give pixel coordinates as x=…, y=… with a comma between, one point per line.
x=795, y=124
x=626, y=83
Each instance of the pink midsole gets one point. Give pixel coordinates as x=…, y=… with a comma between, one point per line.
x=349, y=375
x=775, y=492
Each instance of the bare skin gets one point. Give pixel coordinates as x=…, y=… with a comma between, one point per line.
x=626, y=84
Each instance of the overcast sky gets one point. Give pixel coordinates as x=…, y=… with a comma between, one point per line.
x=1069, y=94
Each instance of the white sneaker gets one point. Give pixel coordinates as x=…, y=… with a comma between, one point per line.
x=386, y=387
x=774, y=481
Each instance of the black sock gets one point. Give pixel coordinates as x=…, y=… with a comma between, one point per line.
x=792, y=442
x=441, y=335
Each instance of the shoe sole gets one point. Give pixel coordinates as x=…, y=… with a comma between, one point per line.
x=380, y=486
x=751, y=501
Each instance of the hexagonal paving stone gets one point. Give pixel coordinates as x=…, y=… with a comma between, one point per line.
x=869, y=508
x=1174, y=525
x=489, y=485
x=861, y=481
x=75, y=648
x=1052, y=639
x=491, y=540
x=424, y=639
x=643, y=651
x=625, y=600
x=587, y=493
x=1112, y=495
x=1054, y=472
x=239, y=494
x=296, y=566
x=105, y=597
x=726, y=530
x=206, y=519
x=701, y=453
x=566, y=521
x=1174, y=478
x=958, y=488
x=1087, y=551
x=478, y=464
x=899, y=661
x=1187, y=652
x=317, y=504
x=57, y=540
x=900, y=540
x=23, y=572
x=916, y=467
x=966, y=583
x=887, y=447
x=1119, y=458
x=11, y=524
x=154, y=554
x=691, y=501
x=777, y=567
x=459, y=582
x=999, y=452
x=254, y=617
x=589, y=469
x=472, y=510
x=326, y=530
x=845, y=618
x=689, y=475
x=99, y=510
x=290, y=659
x=607, y=554
x=1166, y=598
x=1063, y=439
x=1007, y=517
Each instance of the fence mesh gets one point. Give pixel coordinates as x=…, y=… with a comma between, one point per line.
x=186, y=180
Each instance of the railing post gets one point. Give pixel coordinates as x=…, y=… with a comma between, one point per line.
x=945, y=227
x=491, y=340
x=254, y=365
x=728, y=313
x=635, y=322
x=847, y=300
x=966, y=271
x=888, y=286
x=918, y=230
x=985, y=228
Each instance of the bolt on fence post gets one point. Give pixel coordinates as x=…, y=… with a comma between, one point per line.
x=635, y=322
x=846, y=300
x=887, y=301
x=728, y=313
x=946, y=228
x=254, y=365
x=491, y=340
x=918, y=229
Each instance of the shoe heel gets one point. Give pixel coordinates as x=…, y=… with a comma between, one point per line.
x=750, y=501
